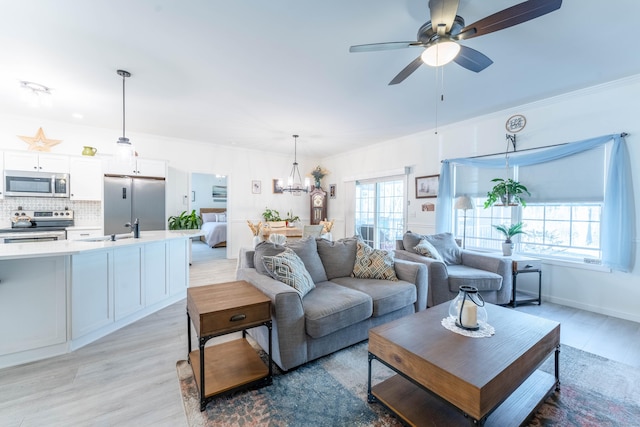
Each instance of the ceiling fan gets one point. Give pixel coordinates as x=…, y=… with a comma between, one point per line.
x=439, y=37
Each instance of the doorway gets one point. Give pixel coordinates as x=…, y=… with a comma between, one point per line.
x=208, y=197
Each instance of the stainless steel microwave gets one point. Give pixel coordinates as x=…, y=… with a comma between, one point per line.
x=35, y=184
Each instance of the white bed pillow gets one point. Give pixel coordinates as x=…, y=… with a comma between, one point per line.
x=209, y=217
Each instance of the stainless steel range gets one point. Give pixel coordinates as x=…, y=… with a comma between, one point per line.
x=37, y=226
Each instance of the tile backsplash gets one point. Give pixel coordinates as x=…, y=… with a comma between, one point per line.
x=84, y=213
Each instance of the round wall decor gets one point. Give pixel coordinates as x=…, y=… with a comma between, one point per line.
x=515, y=123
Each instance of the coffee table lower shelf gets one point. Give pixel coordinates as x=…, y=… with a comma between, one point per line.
x=229, y=366
x=417, y=407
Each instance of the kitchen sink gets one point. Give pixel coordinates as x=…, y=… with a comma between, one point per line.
x=108, y=238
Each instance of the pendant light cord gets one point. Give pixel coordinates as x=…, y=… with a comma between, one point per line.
x=123, y=111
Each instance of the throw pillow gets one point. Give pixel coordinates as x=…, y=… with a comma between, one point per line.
x=337, y=257
x=307, y=250
x=410, y=240
x=373, y=263
x=288, y=268
x=427, y=249
x=447, y=247
x=263, y=249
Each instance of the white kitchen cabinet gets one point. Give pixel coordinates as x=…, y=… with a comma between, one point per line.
x=127, y=280
x=33, y=303
x=91, y=292
x=177, y=265
x=155, y=279
x=138, y=167
x=85, y=178
x=79, y=233
x=30, y=161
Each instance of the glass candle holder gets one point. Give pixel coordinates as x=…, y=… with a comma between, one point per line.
x=468, y=308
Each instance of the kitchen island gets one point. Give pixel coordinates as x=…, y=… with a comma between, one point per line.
x=58, y=296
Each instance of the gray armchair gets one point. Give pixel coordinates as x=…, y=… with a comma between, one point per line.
x=490, y=273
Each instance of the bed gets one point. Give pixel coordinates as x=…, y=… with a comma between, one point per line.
x=214, y=226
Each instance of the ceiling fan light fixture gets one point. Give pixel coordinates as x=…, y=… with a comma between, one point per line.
x=440, y=53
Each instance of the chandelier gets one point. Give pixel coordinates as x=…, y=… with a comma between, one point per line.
x=124, y=148
x=294, y=181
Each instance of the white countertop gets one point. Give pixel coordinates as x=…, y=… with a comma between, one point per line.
x=83, y=227
x=69, y=247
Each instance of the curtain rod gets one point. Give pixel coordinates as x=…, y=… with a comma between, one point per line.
x=623, y=134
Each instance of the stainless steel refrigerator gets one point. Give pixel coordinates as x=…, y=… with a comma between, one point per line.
x=127, y=198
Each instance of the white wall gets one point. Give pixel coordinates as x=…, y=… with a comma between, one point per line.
x=606, y=109
x=201, y=190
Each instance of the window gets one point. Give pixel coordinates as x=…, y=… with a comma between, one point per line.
x=569, y=231
x=562, y=216
x=379, y=212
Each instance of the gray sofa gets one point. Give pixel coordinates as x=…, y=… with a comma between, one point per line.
x=340, y=310
x=490, y=273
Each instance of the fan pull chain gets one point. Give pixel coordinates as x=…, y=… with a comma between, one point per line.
x=439, y=85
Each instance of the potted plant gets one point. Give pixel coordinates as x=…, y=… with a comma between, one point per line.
x=291, y=218
x=318, y=173
x=508, y=192
x=514, y=229
x=185, y=221
x=272, y=217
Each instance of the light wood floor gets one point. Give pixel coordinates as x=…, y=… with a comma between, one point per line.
x=129, y=378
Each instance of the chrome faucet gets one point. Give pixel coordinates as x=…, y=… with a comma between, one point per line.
x=135, y=227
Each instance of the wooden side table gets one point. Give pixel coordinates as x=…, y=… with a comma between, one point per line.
x=218, y=310
x=522, y=264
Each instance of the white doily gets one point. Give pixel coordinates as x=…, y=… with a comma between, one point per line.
x=486, y=330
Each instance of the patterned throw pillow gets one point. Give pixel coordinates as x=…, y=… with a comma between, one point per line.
x=288, y=268
x=373, y=263
x=427, y=249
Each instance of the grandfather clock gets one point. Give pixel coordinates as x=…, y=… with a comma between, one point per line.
x=318, y=199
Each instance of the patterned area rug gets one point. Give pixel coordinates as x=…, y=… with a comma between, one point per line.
x=332, y=391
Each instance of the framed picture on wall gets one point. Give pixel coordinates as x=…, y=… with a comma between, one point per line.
x=256, y=187
x=277, y=188
x=427, y=186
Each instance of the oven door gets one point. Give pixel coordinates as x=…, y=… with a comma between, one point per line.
x=33, y=236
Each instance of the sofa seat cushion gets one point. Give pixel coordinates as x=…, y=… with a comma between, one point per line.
x=483, y=280
x=387, y=295
x=330, y=307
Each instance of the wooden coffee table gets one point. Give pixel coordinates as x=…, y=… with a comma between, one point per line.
x=445, y=378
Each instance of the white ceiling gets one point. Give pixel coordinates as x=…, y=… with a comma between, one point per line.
x=252, y=72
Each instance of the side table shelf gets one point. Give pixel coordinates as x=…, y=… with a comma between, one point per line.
x=520, y=265
x=221, y=309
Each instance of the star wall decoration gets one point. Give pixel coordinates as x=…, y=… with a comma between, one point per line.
x=40, y=142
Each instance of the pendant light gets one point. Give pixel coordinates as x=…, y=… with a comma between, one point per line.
x=294, y=181
x=124, y=148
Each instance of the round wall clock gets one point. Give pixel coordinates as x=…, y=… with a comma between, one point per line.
x=516, y=123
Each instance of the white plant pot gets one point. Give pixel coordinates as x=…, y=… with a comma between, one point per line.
x=507, y=248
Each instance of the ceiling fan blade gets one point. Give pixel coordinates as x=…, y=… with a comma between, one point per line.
x=472, y=60
x=382, y=46
x=406, y=72
x=443, y=12
x=509, y=17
